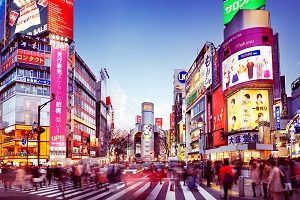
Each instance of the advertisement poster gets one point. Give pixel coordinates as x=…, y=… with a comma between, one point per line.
x=179, y=80
x=2, y=19
x=61, y=17
x=147, y=140
x=219, y=118
x=231, y=7
x=58, y=114
x=30, y=19
x=158, y=122
x=254, y=63
x=247, y=109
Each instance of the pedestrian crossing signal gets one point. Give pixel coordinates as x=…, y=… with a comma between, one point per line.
x=222, y=137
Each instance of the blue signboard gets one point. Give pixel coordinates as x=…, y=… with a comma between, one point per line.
x=181, y=76
x=23, y=141
x=277, y=117
x=2, y=18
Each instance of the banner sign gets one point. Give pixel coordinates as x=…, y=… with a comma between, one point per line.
x=243, y=138
x=158, y=122
x=277, y=116
x=231, y=7
x=58, y=107
x=138, y=119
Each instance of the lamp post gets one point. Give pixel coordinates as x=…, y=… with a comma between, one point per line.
x=40, y=130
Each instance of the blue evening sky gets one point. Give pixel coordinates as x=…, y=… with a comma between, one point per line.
x=141, y=42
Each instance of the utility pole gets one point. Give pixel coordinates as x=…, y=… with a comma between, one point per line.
x=39, y=129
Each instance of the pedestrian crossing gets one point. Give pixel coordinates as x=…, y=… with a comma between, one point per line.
x=139, y=189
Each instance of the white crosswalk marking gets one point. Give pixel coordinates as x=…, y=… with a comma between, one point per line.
x=186, y=192
x=170, y=194
x=154, y=193
x=119, y=194
x=105, y=193
x=141, y=190
x=205, y=194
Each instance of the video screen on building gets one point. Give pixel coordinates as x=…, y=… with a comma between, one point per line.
x=254, y=63
x=246, y=109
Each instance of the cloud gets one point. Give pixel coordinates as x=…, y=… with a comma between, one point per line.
x=163, y=110
x=125, y=109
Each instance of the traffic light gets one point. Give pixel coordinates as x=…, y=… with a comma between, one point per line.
x=222, y=136
x=22, y=154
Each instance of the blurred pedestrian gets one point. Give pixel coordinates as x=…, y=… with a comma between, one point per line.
x=255, y=178
x=8, y=176
x=286, y=170
x=191, y=177
x=20, y=177
x=265, y=176
x=209, y=173
x=226, y=177
x=275, y=186
x=49, y=174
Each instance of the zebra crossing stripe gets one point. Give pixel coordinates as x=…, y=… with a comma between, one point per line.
x=141, y=190
x=187, y=193
x=205, y=194
x=170, y=194
x=154, y=193
x=60, y=193
x=75, y=193
x=119, y=194
x=94, y=192
x=106, y=193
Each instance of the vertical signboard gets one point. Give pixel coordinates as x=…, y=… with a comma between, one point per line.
x=277, y=116
x=2, y=19
x=138, y=119
x=216, y=78
x=276, y=67
x=219, y=118
x=58, y=117
x=158, y=122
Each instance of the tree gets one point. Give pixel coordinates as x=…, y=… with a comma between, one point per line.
x=121, y=140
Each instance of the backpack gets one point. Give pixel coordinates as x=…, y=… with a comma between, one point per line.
x=228, y=179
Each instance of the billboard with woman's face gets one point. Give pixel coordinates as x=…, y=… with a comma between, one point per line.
x=254, y=63
x=246, y=109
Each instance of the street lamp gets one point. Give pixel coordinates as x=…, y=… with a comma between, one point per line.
x=39, y=129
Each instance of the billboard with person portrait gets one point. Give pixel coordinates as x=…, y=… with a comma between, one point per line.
x=254, y=63
x=247, y=109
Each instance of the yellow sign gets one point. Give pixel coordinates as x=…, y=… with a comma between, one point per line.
x=247, y=108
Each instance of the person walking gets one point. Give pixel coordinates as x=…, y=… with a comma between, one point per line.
x=226, y=177
x=275, y=185
x=49, y=174
x=286, y=170
x=20, y=177
x=209, y=173
x=265, y=176
x=255, y=177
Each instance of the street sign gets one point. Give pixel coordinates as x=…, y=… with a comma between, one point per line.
x=23, y=141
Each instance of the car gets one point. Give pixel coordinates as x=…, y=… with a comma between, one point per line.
x=134, y=169
x=147, y=166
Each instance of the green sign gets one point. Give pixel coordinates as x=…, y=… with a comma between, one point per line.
x=231, y=7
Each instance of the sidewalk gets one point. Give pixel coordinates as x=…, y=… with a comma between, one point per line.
x=248, y=194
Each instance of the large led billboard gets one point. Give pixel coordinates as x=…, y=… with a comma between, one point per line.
x=246, y=109
x=40, y=16
x=231, y=7
x=2, y=19
x=58, y=107
x=254, y=63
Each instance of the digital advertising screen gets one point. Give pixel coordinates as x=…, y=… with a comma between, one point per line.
x=246, y=109
x=254, y=63
x=231, y=7
x=61, y=17
x=29, y=19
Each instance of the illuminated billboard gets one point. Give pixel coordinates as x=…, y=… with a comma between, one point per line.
x=199, y=76
x=179, y=80
x=2, y=19
x=231, y=7
x=147, y=141
x=58, y=107
x=254, y=63
x=246, y=109
x=219, y=116
x=29, y=19
x=60, y=19
x=158, y=122
x=40, y=16
x=147, y=107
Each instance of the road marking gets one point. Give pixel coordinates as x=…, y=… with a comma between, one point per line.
x=119, y=194
x=155, y=191
x=105, y=193
x=141, y=190
x=170, y=194
x=205, y=194
x=186, y=192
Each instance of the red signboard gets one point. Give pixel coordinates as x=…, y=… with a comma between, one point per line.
x=7, y=64
x=172, y=120
x=30, y=57
x=219, y=114
x=60, y=17
x=158, y=122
